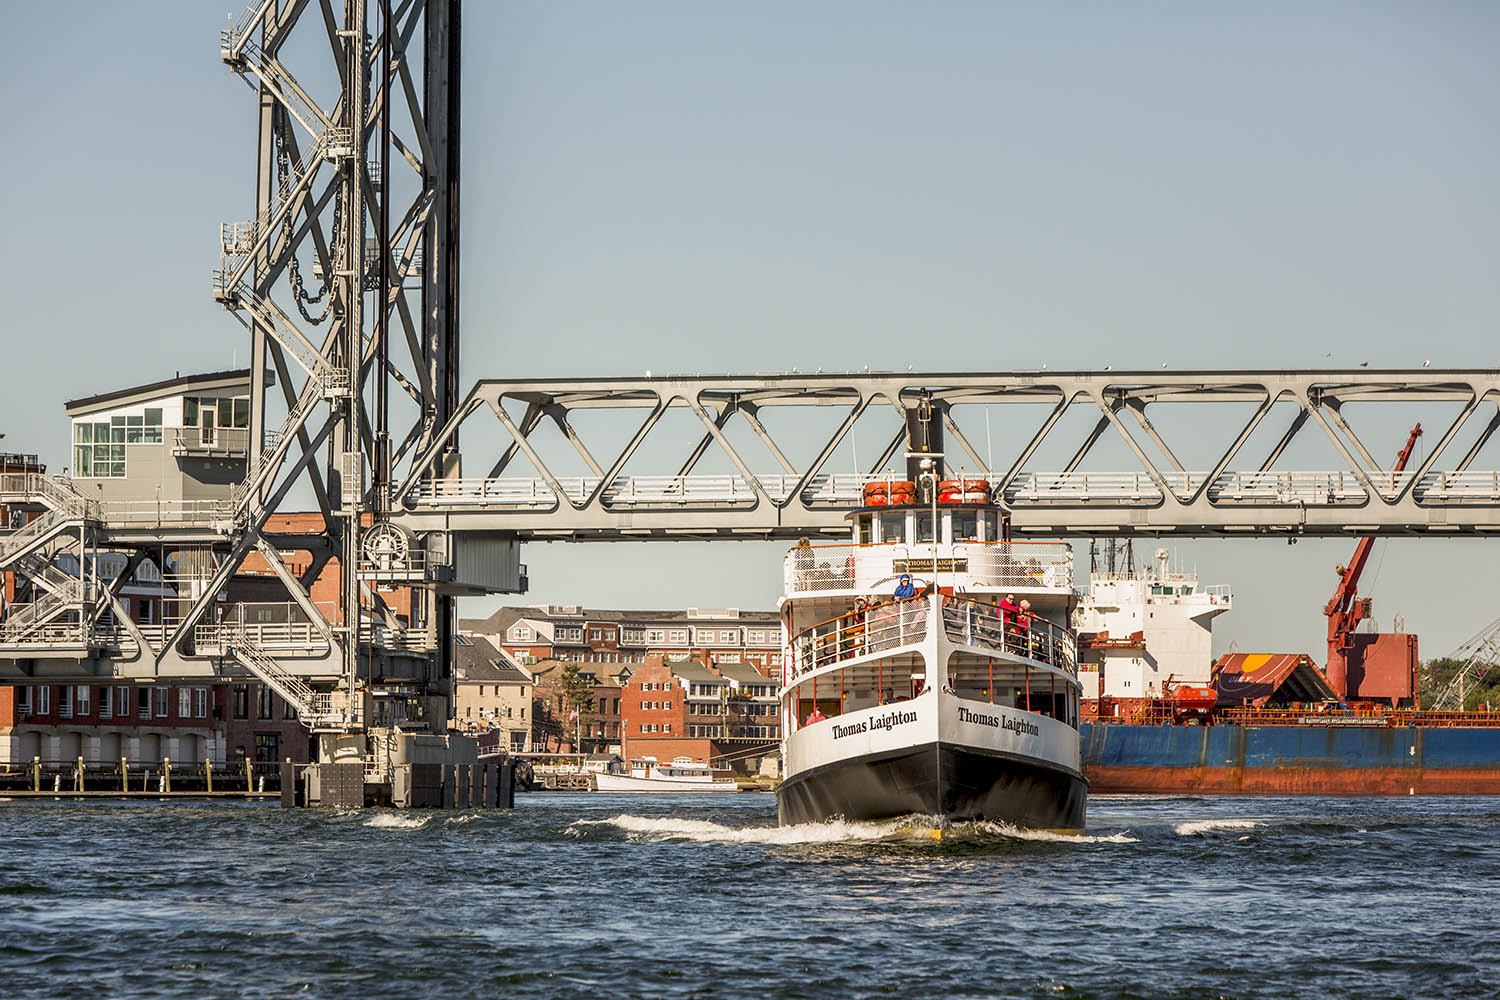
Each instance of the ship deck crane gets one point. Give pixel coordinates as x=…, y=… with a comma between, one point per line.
x=1349, y=655
x=1479, y=654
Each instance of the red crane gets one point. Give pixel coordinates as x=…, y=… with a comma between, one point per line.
x=1389, y=664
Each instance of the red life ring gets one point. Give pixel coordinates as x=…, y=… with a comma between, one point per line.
x=875, y=489
x=877, y=500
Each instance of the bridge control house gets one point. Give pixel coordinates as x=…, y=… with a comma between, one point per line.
x=182, y=439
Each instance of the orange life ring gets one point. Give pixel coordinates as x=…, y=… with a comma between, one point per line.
x=971, y=485
x=977, y=498
x=874, y=489
x=877, y=500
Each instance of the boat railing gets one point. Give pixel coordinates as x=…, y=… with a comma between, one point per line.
x=812, y=569
x=871, y=630
x=975, y=623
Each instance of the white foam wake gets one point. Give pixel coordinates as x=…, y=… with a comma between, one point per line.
x=1020, y=833
x=392, y=821
x=906, y=828
x=1197, y=826
x=703, y=831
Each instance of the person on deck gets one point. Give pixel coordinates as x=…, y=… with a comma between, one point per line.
x=1009, y=612
x=904, y=589
x=815, y=716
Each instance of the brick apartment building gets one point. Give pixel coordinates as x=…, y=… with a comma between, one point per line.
x=590, y=635
x=722, y=713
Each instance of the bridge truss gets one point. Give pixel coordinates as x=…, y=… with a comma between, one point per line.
x=762, y=492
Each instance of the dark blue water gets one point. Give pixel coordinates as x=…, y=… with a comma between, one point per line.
x=619, y=896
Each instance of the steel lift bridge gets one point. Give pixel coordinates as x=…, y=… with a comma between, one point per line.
x=357, y=193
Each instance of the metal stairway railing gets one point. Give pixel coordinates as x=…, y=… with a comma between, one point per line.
x=314, y=709
x=66, y=507
x=333, y=381
x=26, y=619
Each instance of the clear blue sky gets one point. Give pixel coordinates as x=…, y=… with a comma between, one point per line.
x=712, y=187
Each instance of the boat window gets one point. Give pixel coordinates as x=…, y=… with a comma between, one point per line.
x=893, y=527
x=965, y=526
x=863, y=530
x=924, y=527
x=989, y=525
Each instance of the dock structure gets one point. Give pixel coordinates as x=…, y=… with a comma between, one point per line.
x=345, y=276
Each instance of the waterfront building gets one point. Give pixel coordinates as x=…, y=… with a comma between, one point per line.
x=1137, y=630
x=724, y=714
x=102, y=723
x=591, y=635
x=492, y=694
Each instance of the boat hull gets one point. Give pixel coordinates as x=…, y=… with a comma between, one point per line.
x=948, y=781
x=1291, y=760
x=630, y=783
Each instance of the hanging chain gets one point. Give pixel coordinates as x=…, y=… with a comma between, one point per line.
x=299, y=292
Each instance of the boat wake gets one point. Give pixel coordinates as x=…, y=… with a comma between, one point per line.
x=390, y=821
x=904, y=829
x=1196, y=827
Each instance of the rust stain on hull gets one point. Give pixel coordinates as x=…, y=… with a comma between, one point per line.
x=1130, y=780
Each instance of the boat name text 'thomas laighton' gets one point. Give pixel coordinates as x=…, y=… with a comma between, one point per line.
x=890, y=720
x=1020, y=726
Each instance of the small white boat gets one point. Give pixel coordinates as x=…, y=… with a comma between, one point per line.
x=646, y=775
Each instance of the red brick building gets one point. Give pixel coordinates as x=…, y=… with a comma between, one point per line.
x=724, y=714
x=61, y=722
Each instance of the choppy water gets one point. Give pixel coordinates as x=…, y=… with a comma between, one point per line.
x=682, y=896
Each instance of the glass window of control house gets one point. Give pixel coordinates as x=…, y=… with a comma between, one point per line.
x=864, y=529
x=924, y=526
x=892, y=527
x=965, y=525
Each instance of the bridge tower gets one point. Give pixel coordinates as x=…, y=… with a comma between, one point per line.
x=356, y=191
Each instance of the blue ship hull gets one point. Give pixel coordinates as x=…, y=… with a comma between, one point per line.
x=1292, y=759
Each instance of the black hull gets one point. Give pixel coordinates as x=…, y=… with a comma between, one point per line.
x=937, y=779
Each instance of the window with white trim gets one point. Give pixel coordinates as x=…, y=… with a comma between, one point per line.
x=82, y=699
x=23, y=701
x=44, y=700
x=521, y=633
x=678, y=636
x=184, y=703
x=163, y=703
x=122, y=701
x=65, y=702
x=200, y=703
x=106, y=703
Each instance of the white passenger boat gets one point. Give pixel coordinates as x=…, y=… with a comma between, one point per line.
x=646, y=775
x=953, y=702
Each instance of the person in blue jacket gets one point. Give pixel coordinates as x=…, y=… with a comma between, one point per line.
x=904, y=589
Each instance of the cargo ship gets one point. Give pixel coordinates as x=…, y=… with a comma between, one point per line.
x=1270, y=723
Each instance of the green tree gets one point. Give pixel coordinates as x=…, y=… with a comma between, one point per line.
x=1437, y=673
x=577, y=690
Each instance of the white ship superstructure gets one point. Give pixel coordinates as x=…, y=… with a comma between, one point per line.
x=957, y=697
x=1137, y=630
